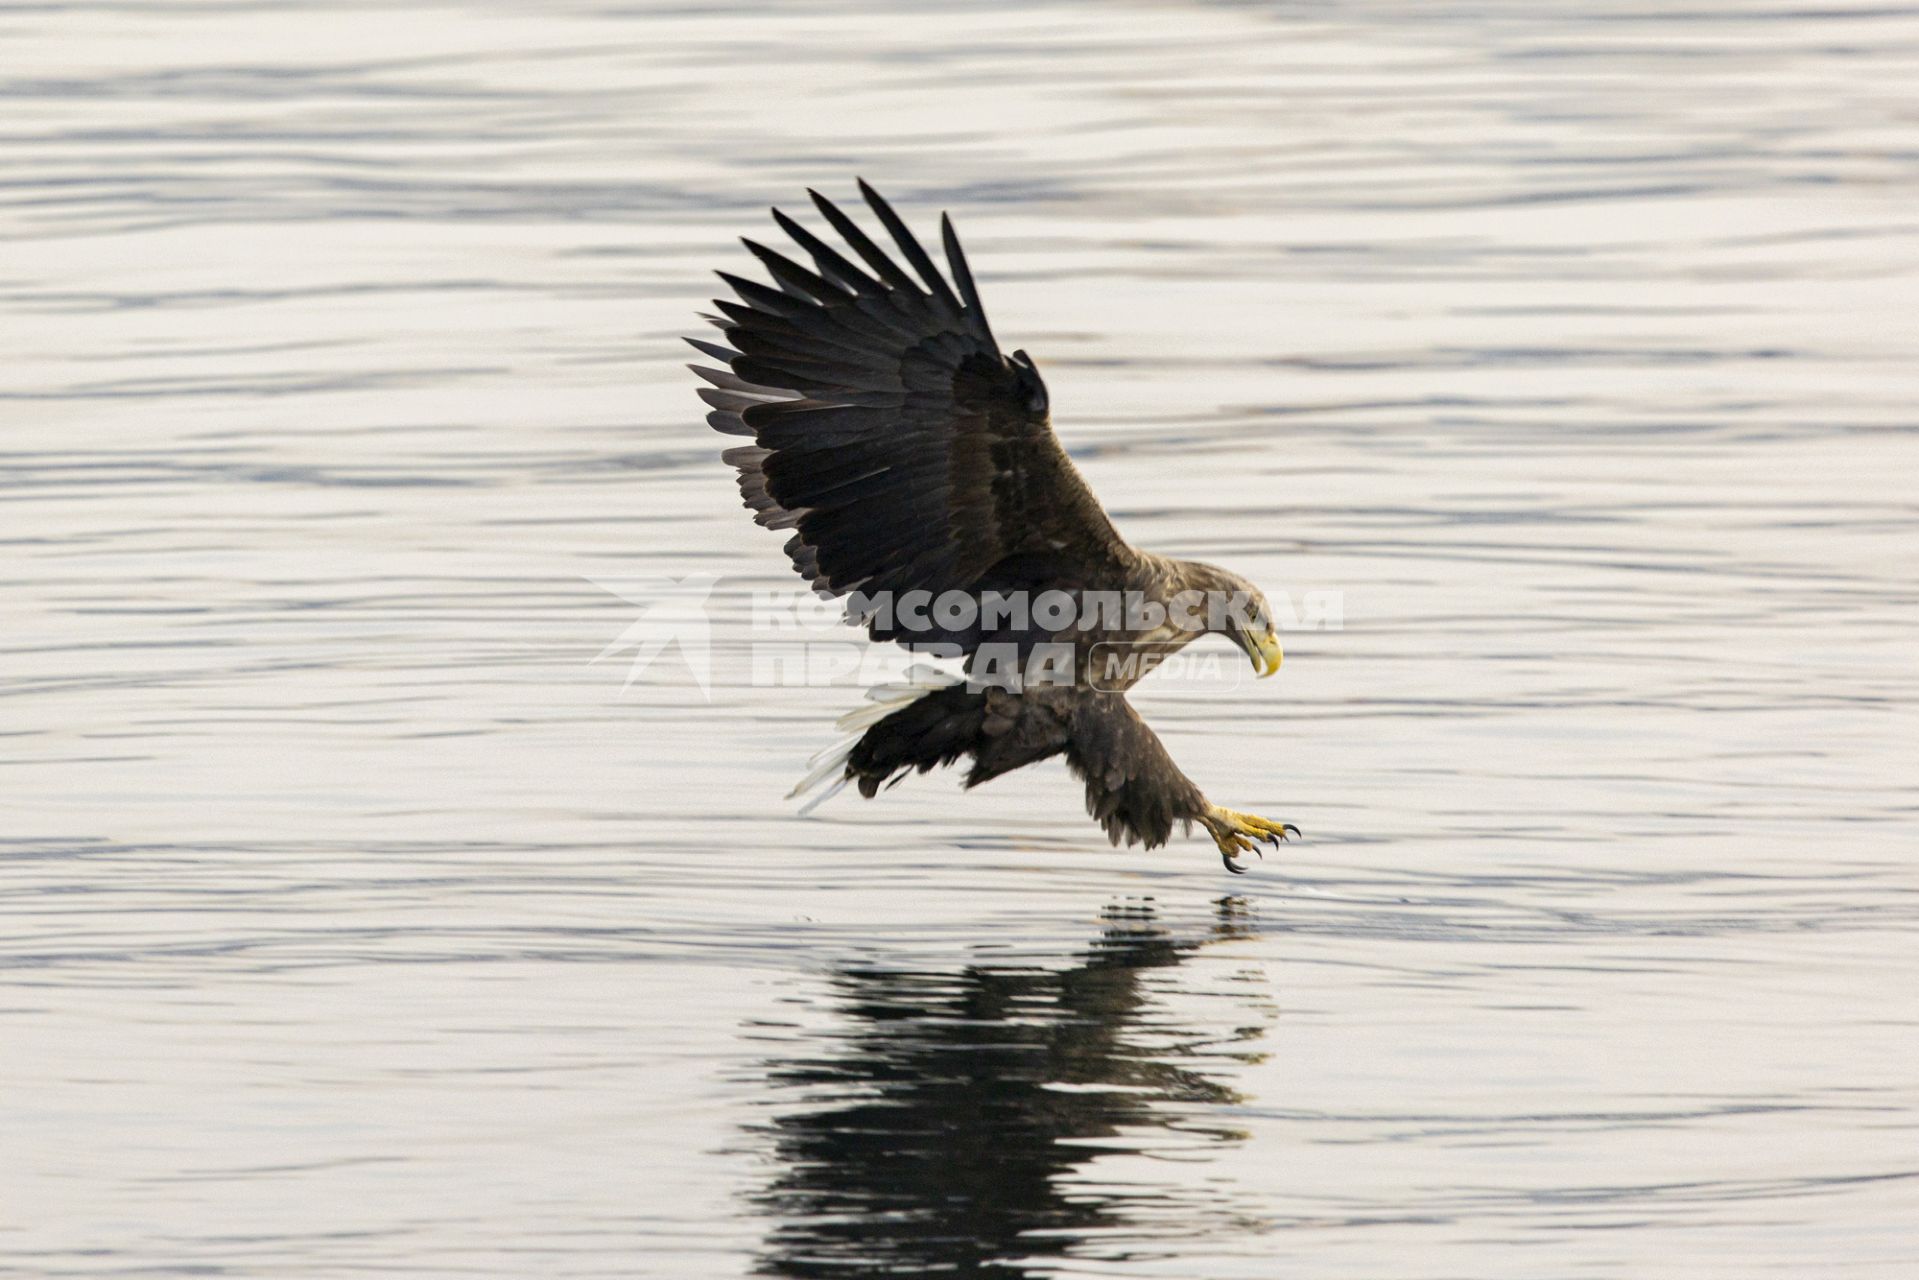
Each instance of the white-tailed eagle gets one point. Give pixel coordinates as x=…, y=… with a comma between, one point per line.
x=912, y=461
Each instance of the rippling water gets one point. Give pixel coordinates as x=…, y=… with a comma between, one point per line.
x=353, y=922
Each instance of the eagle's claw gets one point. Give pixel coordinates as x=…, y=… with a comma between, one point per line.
x=1237, y=833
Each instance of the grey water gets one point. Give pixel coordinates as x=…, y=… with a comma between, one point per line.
x=355, y=921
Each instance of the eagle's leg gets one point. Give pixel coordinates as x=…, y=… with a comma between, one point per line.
x=1237, y=833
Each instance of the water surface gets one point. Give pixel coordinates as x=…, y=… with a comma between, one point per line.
x=353, y=922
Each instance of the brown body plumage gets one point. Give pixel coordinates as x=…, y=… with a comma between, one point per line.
x=905, y=453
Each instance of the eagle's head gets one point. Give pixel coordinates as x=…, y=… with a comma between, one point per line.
x=1234, y=608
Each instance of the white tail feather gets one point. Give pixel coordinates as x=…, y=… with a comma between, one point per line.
x=823, y=796
x=882, y=701
x=862, y=718
x=834, y=761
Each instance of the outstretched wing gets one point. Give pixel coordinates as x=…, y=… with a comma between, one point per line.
x=889, y=433
x=1133, y=788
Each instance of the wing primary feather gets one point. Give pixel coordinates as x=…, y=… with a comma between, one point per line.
x=863, y=245
x=761, y=298
x=792, y=276
x=963, y=277
x=909, y=246
x=725, y=355
x=847, y=326
x=832, y=264
x=727, y=381
x=813, y=334
x=863, y=367
x=728, y=423
x=734, y=401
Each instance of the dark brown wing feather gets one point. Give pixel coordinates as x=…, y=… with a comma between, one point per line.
x=889, y=433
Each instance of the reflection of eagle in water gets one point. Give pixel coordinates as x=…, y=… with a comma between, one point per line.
x=951, y=1123
x=908, y=455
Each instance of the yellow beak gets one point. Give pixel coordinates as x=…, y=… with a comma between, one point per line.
x=1264, y=651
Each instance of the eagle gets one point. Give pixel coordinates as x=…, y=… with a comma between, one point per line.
x=911, y=460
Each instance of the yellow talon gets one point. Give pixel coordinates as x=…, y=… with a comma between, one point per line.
x=1236, y=833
